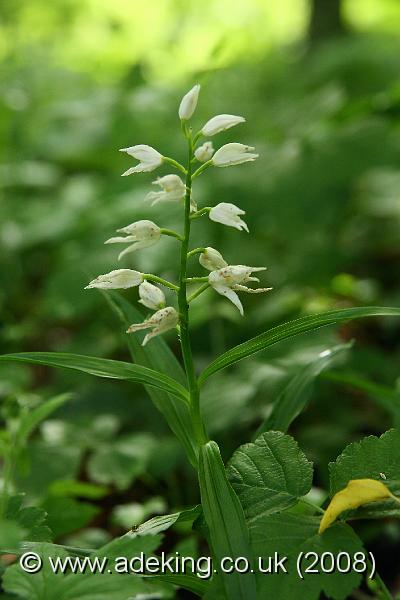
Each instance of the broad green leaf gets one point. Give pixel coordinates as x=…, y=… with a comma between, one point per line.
x=158, y=356
x=293, y=399
x=269, y=475
x=102, y=367
x=187, y=581
x=367, y=459
x=224, y=516
x=65, y=515
x=31, y=518
x=375, y=458
x=291, y=329
x=356, y=493
x=45, y=585
x=33, y=418
x=288, y=534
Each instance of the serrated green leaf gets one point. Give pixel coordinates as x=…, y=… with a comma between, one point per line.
x=102, y=367
x=291, y=329
x=288, y=534
x=269, y=475
x=374, y=458
x=293, y=399
x=158, y=356
x=225, y=519
x=30, y=518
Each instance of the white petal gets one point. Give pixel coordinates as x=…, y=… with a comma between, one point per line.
x=188, y=103
x=212, y=260
x=204, y=152
x=231, y=295
x=233, y=154
x=151, y=296
x=221, y=123
x=117, y=279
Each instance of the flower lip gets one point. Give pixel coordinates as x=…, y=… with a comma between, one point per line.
x=229, y=280
x=172, y=189
x=221, y=123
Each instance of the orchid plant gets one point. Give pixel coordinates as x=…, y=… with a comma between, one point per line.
x=267, y=486
x=225, y=279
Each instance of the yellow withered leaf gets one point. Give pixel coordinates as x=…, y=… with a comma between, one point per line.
x=356, y=493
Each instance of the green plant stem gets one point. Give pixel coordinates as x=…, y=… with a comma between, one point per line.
x=196, y=279
x=183, y=305
x=382, y=592
x=171, y=233
x=164, y=282
x=201, y=212
x=175, y=164
x=199, y=291
x=195, y=251
x=203, y=167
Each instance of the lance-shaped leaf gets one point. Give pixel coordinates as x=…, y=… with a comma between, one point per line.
x=102, y=367
x=225, y=518
x=294, y=397
x=356, y=493
x=291, y=329
x=158, y=356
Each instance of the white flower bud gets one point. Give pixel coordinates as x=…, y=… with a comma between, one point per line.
x=229, y=280
x=142, y=233
x=233, y=154
x=188, y=103
x=163, y=320
x=204, y=152
x=228, y=214
x=173, y=189
x=221, y=123
x=118, y=279
x=149, y=159
x=151, y=296
x=212, y=260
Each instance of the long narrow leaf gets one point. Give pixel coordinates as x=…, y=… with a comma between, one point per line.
x=102, y=367
x=294, y=397
x=225, y=519
x=33, y=418
x=157, y=355
x=291, y=329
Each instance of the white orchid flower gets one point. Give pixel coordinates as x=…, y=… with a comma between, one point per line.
x=116, y=280
x=229, y=280
x=151, y=296
x=233, y=154
x=163, y=320
x=172, y=189
x=149, y=159
x=221, y=123
x=188, y=103
x=204, y=152
x=142, y=233
x=228, y=214
x=212, y=260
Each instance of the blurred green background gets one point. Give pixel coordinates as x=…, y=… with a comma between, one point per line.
x=319, y=84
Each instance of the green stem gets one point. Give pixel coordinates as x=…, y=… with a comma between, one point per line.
x=171, y=233
x=201, y=212
x=195, y=251
x=164, y=282
x=203, y=167
x=199, y=291
x=382, y=591
x=175, y=164
x=198, y=425
x=196, y=279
